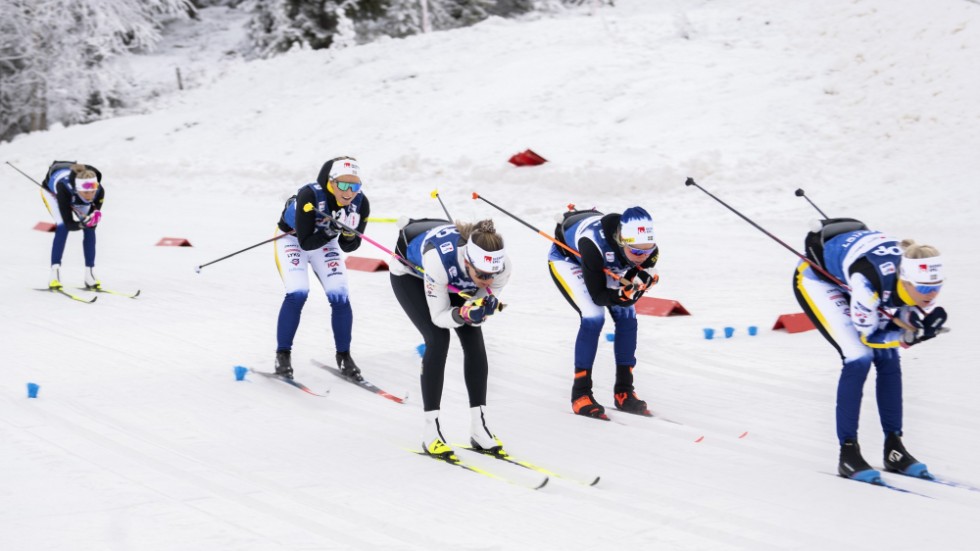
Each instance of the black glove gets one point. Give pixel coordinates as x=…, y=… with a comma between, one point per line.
x=328, y=228
x=925, y=328
x=933, y=323
x=626, y=295
x=641, y=278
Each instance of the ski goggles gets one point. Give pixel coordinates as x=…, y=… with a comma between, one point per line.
x=86, y=185
x=928, y=289
x=344, y=186
x=637, y=252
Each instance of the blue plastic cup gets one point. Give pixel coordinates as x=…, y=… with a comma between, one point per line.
x=729, y=331
x=240, y=371
x=611, y=337
x=709, y=333
x=420, y=349
x=753, y=330
x=32, y=389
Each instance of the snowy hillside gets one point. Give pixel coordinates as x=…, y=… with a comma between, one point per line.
x=142, y=439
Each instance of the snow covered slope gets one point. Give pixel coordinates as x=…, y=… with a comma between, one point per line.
x=142, y=439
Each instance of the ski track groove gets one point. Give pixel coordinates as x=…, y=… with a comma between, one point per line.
x=126, y=443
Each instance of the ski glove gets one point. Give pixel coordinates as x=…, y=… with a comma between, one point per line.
x=925, y=328
x=351, y=220
x=491, y=305
x=643, y=279
x=92, y=219
x=470, y=314
x=328, y=228
x=626, y=295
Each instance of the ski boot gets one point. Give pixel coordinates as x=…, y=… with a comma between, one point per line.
x=583, y=402
x=853, y=466
x=481, y=438
x=284, y=364
x=899, y=460
x=630, y=403
x=54, y=282
x=433, y=442
x=91, y=283
x=624, y=394
x=348, y=368
x=587, y=406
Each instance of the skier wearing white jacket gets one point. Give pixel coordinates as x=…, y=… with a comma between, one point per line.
x=465, y=268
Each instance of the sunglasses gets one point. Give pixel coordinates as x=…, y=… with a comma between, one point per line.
x=344, y=186
x=481, y=275
x=928, y=289
x=638, y=252
x=87, y=186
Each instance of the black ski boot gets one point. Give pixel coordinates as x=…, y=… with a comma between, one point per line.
x=348, y=368
x=624, y=395
x=284, y=365
x=899, y=460
x=852, y=465
x=583, y=402
x=630, y=403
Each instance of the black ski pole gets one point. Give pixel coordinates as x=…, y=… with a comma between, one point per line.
x=435, y=193
x=25, y=175
x=814, y=265
x=608, y=272
x=280, y=236
x=801, y=193
x=77, y=212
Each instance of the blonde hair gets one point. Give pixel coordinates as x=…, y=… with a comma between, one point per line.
x=914, y=250
x=482, y=233
x=82, y=171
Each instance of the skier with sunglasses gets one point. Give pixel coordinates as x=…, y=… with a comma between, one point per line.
x=887, y=302
x=73, y=194
x=318, y=242
x=613, y=244
x=450, y=277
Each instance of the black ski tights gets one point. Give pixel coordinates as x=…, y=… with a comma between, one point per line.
x=410, y=293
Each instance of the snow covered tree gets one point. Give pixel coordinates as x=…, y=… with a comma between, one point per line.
x=53, y=55
x=402, y=18
x=278, y=25
x=468, y=12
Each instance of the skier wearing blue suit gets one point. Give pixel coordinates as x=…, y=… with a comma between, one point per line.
x=316, y=241
x=883, y=279
x=617, y=265
x=73, y=195
x=451, y=279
